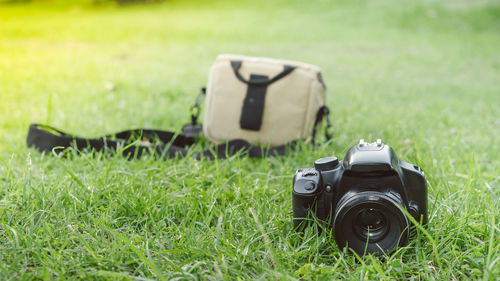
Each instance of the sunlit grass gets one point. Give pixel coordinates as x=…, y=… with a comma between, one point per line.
x=423, y=76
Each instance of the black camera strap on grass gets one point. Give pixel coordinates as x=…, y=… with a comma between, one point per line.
x=135, y=143
x=164, y=144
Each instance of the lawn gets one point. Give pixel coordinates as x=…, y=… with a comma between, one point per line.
x=422, y=75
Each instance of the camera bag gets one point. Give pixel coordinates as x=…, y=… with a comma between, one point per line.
x=257, y=106
x=262, y=100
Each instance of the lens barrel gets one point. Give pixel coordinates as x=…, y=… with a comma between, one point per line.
x=370, y=222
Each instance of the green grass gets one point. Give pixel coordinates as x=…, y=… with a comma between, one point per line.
x=422, y=75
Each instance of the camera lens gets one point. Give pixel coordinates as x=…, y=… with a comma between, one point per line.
x=370, y=219
x=370, y=222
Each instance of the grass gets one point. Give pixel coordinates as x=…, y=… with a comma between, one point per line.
x=421, y=75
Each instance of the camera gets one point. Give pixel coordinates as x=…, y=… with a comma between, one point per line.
x=365, y=198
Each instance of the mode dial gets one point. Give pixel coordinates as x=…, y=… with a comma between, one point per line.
x=326, y=163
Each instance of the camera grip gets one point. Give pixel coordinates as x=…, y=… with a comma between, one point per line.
x=302, y=205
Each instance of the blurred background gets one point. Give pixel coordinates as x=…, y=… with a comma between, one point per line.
x=402, y=70
x=80, y=2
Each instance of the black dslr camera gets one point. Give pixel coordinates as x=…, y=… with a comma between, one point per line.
x=362, y=197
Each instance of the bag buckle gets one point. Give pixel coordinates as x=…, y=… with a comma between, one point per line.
x=192, y=130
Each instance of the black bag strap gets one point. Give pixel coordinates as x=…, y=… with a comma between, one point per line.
x=194, y=129
x=47, y=138
x=164, y=144
x=323, y=112
x=236, y=65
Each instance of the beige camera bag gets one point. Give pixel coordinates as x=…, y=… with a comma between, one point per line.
x=250, y=101
x=262, y=100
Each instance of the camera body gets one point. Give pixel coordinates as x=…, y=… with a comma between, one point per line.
x=362, y=197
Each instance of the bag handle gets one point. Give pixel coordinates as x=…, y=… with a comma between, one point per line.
x=236, y=65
